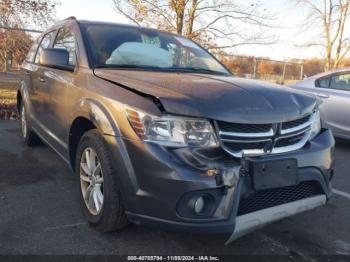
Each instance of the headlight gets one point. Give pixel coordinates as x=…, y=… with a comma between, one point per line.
x=172, y=130
x=316, y=125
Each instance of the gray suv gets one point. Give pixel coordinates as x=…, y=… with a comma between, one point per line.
x=159, y=133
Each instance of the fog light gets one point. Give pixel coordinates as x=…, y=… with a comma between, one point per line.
x=199, y=205
x=213, y=172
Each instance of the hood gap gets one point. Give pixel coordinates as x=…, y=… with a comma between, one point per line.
x=154, y=99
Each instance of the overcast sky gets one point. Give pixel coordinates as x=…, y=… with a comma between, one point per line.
x=289, y=21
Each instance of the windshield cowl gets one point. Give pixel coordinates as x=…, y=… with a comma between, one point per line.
x=162, y=69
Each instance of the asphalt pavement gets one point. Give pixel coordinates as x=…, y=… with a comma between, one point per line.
x=40, y=215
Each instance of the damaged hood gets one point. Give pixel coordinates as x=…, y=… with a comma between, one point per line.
x=225, y=98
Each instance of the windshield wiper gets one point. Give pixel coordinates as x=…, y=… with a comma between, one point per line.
x=127, y=66
x=199, y=70
x=162, y=69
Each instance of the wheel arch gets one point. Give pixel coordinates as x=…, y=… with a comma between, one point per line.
x=78, y=128
x=23, y=96
x=90, y=114
x=19, y=100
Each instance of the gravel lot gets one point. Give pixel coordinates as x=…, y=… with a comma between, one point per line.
x=40, y=215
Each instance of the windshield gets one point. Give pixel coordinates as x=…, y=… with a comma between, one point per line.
x=116, y=46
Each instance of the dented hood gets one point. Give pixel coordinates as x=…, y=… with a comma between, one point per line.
x=225, y=98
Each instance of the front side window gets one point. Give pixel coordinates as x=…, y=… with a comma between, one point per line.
x=45, y=43
x=116, y=46
x=324, y=82
x=341, y=82
x=65, y=40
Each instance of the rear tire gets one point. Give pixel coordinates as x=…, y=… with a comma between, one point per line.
x=28, y=135
x=99, y=194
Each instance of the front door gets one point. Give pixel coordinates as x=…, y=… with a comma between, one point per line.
x=60, y=83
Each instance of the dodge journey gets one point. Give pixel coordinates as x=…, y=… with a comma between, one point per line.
x=160, y=133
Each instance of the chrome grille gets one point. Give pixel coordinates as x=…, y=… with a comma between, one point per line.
x=290, y=140
x=244, y=145
x=296, y=123
x=244, y=128
x=257, y=139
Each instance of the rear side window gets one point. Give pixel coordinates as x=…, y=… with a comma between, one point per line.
x=341, y=82
x=65, y=40
x=45, y=43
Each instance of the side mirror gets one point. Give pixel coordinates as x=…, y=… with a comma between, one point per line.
x=55, y=58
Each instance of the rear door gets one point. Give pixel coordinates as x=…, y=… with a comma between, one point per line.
x=334, y=90
x=29, y=68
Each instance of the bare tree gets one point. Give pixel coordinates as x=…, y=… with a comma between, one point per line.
x=20, y=12
x=14, y=14
x=14, y=46
x=333, y=17
x=215, y=24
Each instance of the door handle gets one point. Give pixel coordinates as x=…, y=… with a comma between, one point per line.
x=322, y=95
x=42, y=79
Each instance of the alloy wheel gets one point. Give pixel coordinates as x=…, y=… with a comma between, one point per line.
x=23, y=122
x=91, y=181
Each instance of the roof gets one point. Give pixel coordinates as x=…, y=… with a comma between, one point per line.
x=338, y=70
x=310, y=81
x=88, y=22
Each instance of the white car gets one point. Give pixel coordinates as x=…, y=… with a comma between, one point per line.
x=333, y=88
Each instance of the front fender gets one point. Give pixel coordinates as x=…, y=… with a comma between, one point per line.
x=98, y=114
x=103, y=119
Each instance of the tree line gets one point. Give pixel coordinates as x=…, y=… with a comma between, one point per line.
x=265, y=67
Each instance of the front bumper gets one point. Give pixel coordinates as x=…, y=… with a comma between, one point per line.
x=155, y=182
x=251, y=221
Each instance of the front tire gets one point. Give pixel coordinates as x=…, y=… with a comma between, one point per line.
x=28, y=135
x=99, y=195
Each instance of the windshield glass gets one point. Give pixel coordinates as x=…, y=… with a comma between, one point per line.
x=116, y=46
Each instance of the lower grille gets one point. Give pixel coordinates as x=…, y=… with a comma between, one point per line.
x=263, y=199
